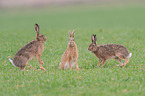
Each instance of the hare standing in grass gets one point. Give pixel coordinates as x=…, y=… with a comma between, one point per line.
x=70, y=56
x=30, y=50
x=104, y=52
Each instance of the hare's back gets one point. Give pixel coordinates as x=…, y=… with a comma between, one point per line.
x=118, y=48
x=112, y=49
x=30, y=48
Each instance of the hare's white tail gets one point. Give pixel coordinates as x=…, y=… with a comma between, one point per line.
x=11, y=60
x=129, y=55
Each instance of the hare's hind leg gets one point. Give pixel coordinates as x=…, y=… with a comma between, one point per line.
x=61, y=66
x=126, y=61
x=119, y=60
x=121, y=56
x=22, y=68
x=21, y=62
x=24, y=63
x=40, y=61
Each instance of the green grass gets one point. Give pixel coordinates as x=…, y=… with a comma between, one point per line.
x=122, y=25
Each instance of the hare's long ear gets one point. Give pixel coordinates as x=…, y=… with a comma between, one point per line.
x=69, y=33
x=92, y=38
x=37, y=29
x=73, y=33
x=95, y=38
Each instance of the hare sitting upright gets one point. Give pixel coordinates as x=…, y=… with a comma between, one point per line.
x=30, y=50
x=104, y=52
x=70, y=56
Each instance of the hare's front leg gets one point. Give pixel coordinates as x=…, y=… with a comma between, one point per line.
x=40, y=61
x=100, y=60
x=77, y=65
x=69, y=63
x=60, y=65
x=103, y=62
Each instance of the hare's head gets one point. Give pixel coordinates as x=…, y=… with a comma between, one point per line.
x=93, y=46
x=71, y=42
x=39, y=37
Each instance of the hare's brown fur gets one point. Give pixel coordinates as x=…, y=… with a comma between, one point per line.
x=70, y=56
x=30, y=50
x=104, y=52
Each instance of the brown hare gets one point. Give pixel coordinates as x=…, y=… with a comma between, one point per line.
x=30, y=50
x=70, y=56
x=104, y=52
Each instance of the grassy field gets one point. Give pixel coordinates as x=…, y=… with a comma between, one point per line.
x=122, y=25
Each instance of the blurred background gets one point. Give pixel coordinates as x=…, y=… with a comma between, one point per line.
x=79, y=12
x=17, y=18
x=42, y=3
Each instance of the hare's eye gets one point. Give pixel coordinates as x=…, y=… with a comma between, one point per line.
x=93, y=45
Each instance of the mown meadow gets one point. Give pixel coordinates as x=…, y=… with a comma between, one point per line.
x=112, y=24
